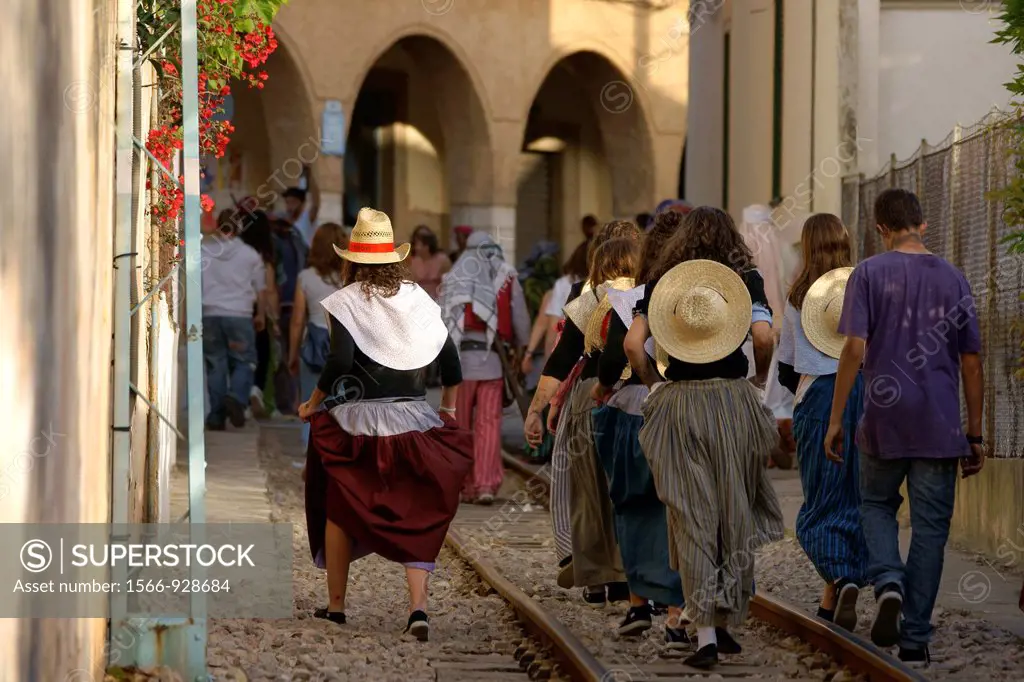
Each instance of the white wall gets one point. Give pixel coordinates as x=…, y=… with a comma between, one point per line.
x=937, y=68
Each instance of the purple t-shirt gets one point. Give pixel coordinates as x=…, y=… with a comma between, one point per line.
x=917, y=315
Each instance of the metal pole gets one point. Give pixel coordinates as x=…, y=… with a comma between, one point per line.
x=123, y=262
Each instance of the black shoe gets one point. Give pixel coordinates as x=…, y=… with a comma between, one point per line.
x=727, y=644
x=215, y=425
x=236, y=411
x=676, y=638
x=618, y=592
x=333, y=616
x=658, y=609
x=638, y=621
x=826, y=614
x=704, y=659
x=885, y=632
x=594, y=595
x=846, y=605
x=915, y=658
x=418, y=626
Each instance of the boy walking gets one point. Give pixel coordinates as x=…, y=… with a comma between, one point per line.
x=233, y=277
x=909, y=316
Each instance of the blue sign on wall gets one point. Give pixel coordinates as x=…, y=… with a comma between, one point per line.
x=332, y=129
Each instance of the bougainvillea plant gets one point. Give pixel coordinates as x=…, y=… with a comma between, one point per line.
x=234, y=40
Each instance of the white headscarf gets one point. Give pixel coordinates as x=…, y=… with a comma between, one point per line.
x=475, y=279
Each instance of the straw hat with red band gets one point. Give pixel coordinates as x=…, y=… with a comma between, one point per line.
x=373, y=240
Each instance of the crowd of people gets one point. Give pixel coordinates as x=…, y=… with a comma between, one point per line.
x=654, y=348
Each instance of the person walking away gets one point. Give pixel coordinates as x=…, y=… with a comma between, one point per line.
x=256, y=232
x=309, y=336
x=383, y=470
x=909, y=317
x=580, y=507
x=706, y=434
x=640, y=521
x=301, y=215
x=234, y=277
x=462, y=233
x=483, y=308
x=828, y=524
x=428, y=263
x=292, y=255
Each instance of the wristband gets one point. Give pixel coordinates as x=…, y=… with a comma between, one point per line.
x=446, y=410
x=975, y=440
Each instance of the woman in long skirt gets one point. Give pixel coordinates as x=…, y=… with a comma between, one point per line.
x=706, y=434
x=640, y=518
x=383, y=470
x=828, y=525
x=584, y=532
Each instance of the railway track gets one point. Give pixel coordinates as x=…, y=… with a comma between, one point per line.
x=510, y=548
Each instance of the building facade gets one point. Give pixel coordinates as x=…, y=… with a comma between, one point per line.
x=515, y=117
x=790, y=95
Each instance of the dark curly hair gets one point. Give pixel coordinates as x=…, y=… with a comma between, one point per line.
x=666, y=224
x=380, y=280
x=708, y=234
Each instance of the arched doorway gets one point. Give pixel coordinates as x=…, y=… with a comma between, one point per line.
x=418, y=143
x=275, y=139
x=586, y=150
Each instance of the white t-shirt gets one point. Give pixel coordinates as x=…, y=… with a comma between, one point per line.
x=316, y=289
x=233, y=276
x=559, y=296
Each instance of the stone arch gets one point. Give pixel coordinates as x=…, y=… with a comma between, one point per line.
x=419, y=111
x=605, y=166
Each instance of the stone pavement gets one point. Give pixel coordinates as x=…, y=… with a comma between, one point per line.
x=236, y=485
x=968, y=583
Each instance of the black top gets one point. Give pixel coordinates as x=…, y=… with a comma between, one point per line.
x=732, y=366
x=613, y=360
x=569, y=348
x=350, y=375
x=788, y=377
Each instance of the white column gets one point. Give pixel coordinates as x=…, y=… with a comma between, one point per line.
x=797, y=85
x=330, y=208
x=869, y=26
x=498, y=221
x=705, y=111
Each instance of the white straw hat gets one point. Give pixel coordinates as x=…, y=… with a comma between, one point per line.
x=372, y=240
x=700, y=311
x=822, y=308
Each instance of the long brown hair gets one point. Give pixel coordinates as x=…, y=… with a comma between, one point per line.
x=826, y=246
x=665, y=225
x=382, y=280
x=615, y=258
x=707, y=234
x=617, y=229
x=322, y=256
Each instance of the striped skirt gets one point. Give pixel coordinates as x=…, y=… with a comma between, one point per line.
x=828, y=525
x=708, y=444
x=561, y=524
x=641, y=525
x=595, y=553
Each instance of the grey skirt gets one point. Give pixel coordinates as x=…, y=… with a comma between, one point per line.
x=708, y=444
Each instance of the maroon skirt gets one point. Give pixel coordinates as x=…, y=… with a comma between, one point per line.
x=392, y=495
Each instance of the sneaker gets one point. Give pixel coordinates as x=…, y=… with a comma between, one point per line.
x=565, y=575
x=256, y=406
x=885, y=632
x=727, y=644
x=637, y=621
x=594, y=596
x=418, y=626
x=915, y=658
x=487, y=499
x=337, y=617
x=846, y=606
x=705, y=658
x=658, y=609
x=618, y=592
x=676, y=638
x=236, y=413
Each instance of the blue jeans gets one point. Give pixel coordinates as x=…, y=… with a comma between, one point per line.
x=931, y=485
x=229, y=353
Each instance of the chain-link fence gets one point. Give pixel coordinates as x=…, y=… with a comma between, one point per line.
x=955, y=181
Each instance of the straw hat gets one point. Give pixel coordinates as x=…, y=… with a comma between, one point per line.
x=823, y=306
x=593, y=336
x=373, y=240
x=700, y=311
